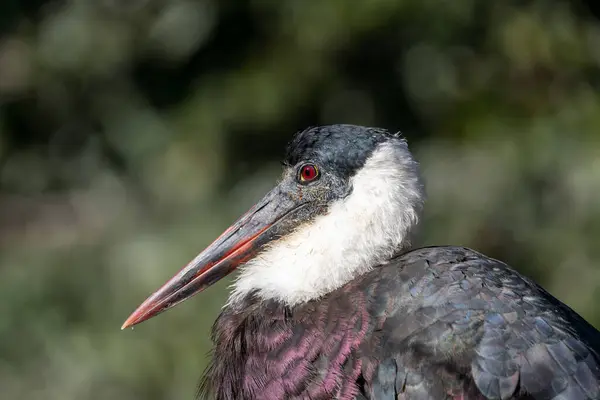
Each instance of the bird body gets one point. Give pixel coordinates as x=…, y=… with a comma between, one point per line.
x=434, y=323
x=331, y=302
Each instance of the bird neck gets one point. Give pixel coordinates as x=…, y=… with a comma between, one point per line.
x=358, y=233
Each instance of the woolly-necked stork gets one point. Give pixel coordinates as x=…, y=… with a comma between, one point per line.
x=332, y=303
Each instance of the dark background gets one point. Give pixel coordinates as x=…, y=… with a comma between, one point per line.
x=133, y=132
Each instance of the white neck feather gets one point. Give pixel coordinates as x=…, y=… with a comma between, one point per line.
x=356, y=234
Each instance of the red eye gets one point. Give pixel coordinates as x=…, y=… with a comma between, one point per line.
x=308, y=172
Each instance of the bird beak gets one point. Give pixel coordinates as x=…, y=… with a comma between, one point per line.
x=239, y=243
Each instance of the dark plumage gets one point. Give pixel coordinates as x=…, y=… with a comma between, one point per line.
x=345, y=148
x=331, y=303
x=435, y=323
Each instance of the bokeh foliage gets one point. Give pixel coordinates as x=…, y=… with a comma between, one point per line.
x=132, y=132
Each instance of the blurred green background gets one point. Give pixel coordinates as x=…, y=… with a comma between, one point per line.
x=133, y=132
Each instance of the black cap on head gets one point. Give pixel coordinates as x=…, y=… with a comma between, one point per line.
x=344, y=148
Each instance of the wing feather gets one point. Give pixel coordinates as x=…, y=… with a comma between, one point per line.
x=461, y=311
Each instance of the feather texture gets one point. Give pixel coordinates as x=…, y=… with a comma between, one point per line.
x=434, y=323
x=355, y=235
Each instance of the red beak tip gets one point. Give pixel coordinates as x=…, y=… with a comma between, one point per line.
x=133, y=319
x=215, y=262
x=126, y=324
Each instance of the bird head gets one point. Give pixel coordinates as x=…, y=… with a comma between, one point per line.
x=347, y=201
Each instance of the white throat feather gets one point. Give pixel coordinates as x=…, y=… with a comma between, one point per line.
x=356, y=234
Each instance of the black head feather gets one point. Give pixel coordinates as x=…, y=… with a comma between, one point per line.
x=343, y=148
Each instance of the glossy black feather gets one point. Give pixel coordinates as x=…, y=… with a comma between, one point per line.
x=342, y=148
x=434, y=323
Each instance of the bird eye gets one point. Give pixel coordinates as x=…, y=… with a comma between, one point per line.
x=308, y=173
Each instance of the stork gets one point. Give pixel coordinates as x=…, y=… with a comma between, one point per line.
x=331, y=302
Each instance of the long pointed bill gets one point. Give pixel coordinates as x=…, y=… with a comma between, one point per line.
x=239, y=243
